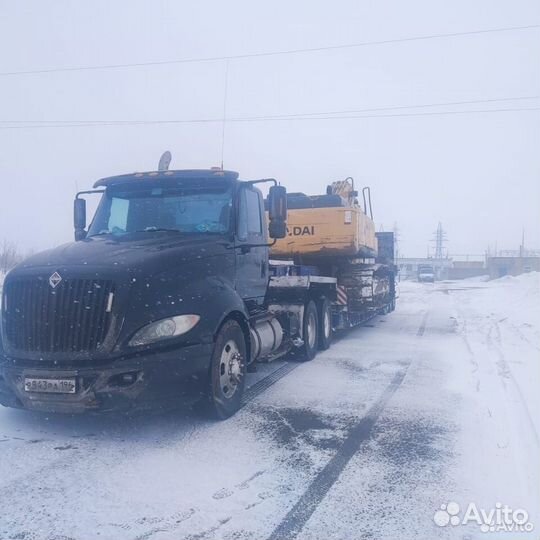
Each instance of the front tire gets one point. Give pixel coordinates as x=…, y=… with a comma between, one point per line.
x=227, y=371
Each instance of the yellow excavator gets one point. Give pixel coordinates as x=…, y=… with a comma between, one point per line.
x=334, y=235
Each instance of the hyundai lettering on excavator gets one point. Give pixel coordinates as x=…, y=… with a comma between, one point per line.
x=181, y=283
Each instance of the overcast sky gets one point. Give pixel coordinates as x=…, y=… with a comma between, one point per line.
x=479, y=174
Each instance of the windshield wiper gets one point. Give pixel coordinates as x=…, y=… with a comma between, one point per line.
x=158, y=229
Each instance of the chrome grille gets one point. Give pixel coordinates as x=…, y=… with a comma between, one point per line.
x=74, y=316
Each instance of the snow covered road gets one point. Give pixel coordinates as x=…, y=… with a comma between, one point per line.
x=435, y=403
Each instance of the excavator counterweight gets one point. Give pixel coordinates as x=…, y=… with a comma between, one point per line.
x=334, y=234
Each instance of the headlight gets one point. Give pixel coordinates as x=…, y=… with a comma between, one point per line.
x=164, y=329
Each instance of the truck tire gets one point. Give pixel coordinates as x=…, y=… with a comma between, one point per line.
x=325, y=323
x=310, y=331
x=227, y=371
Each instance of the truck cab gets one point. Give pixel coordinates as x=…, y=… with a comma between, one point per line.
x=163, y=296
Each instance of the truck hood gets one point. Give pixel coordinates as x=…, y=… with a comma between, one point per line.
x=148, y=255
x=152, y=277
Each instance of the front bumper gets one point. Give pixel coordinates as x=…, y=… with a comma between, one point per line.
x=143, y=382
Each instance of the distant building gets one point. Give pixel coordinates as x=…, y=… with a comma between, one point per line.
x=466, y=269
x=504, y=263
x=446, y=268
x=512, y=265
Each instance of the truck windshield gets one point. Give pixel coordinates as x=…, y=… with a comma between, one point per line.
x=178, y=209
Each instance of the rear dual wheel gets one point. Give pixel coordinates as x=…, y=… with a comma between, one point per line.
x=317, y=327
x=310, y=331
x=325, y=324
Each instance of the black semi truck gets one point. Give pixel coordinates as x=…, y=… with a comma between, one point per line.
x=168, y=296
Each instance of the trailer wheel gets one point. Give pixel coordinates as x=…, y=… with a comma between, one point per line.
x=227, y=371
x=325, y=324
x=310, y=331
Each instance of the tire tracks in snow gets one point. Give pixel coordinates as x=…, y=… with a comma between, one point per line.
x=300, y=513
x=261, y=386
x=295, y=520
x=422, y=328
x=501, y=396
x=505, y=373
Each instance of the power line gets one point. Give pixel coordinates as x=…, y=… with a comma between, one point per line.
x=261, y=119
x=398, y=107
x=268, y=53
x=282, y=116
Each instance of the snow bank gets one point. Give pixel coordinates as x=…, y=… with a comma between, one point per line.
x=499, y=322
x=512, y=299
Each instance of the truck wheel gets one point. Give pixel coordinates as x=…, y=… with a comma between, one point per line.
x=325, y=324
x=310, y=327
x=227, y=371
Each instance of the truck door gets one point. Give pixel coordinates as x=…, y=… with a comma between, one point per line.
x=251, y=261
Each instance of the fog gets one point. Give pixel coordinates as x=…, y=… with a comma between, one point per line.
x=476, y=173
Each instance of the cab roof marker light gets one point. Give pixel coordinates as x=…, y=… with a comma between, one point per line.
x=179, y=174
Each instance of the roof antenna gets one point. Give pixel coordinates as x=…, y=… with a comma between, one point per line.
x=224, y=111
x=164, y=161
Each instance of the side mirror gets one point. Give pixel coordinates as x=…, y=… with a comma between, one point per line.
x=79, y=218
x=277, y=212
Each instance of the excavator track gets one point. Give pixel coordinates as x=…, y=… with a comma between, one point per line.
x=366, y=285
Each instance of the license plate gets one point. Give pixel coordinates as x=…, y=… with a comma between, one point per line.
x=52, y=386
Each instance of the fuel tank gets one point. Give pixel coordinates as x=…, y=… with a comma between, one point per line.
x=266, y=338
